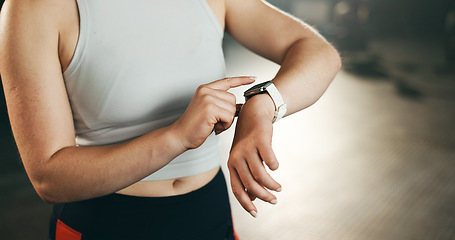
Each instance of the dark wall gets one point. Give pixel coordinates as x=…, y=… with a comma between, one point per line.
x=409, y=16
x=2, y=97
x=9, y=157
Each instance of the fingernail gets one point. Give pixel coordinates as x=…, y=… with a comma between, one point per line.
x=254, y=214
x=274, y=201
x=278, y=190
x=253, y=77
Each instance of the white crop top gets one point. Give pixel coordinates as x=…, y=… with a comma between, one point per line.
x=136, y=67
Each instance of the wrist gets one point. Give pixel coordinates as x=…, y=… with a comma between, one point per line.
x=174, y=135
x=270, y=89
x=260, y=104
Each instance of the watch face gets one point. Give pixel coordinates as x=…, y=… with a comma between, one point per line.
x=256, y=89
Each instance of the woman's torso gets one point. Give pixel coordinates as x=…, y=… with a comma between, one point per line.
x=69, y=33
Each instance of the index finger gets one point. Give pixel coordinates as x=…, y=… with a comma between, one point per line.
x=231, y=82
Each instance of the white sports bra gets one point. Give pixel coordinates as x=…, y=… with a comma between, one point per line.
x=136, y=66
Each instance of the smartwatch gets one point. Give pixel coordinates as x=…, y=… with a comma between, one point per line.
x=268, y=87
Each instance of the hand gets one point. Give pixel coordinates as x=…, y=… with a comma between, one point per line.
x=211, y=108
x=252, y=146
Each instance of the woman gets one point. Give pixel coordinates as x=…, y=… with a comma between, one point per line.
x=113, y=104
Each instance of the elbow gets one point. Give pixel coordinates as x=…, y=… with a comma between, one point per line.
x=324, y=53
x=54, y=190
x=47, y=193
x=58, y=192
x=338, y=61
x=49, y=182
x=334, y=59
x=49, y=190
x=333, y=63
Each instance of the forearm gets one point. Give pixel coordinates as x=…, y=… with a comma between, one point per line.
x=309, y=66
x=306, y=71
x=77, y=173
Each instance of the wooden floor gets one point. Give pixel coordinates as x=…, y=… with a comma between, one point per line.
x=373, y=159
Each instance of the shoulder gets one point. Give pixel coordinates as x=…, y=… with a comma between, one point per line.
x=34, y=8
x=34, y=15
x=26, y=24
x=46, y=6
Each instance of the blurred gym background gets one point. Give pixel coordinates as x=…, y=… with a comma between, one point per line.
x=373, y=159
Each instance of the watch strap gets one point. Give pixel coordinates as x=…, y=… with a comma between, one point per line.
x=280, y=106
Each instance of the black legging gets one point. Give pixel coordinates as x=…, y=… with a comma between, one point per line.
x=201, y=214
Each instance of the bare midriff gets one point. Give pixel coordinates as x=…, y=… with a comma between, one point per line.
x=170, y=187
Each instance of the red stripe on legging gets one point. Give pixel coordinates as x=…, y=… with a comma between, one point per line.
x=65, y=232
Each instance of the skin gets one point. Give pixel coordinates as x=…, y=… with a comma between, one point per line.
x=42, y=121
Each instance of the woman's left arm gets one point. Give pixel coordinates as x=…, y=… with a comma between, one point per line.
x=308, y=65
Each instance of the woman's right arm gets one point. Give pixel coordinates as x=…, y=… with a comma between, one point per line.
x=42, y=122
x=41, y=117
